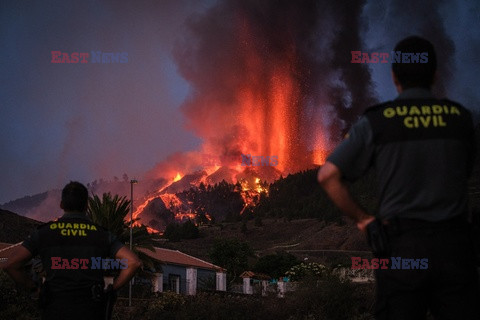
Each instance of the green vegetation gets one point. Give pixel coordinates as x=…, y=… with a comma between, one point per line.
x=307, y=270
x=221, y=201
x=297, y=196
x=275, y=265
x=326, y=298
x=15, y=303
x=232, y=255
x=321, y=298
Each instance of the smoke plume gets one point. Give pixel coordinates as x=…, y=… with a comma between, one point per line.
x=273, y=78
x=396, y=20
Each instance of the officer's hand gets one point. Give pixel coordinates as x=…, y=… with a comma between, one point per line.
x=363, y=223
x=35, y=293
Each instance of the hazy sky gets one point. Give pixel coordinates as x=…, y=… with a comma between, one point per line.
x=61, y=122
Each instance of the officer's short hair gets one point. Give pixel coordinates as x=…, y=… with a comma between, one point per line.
x=74, y=197
x=416, y=74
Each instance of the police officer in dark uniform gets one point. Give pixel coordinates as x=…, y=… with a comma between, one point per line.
x=74, y=253
x=422, y=150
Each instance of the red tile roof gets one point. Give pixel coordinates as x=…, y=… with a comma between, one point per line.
x=179, y=258
x=253, y=275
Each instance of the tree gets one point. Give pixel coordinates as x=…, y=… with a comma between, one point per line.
x=232, y=255
x=176, y=232
x=111, y=213
x=220, y=201
x=172, y=232
x=275, y=265
x=190, y=230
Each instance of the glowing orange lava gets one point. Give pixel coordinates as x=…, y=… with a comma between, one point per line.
x=261, y=117
x=251, y=193
x=171, y=201
x=177, y=177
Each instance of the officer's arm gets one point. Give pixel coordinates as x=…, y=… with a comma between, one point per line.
x=330, y=179
x=133, y=263
x=15, y=264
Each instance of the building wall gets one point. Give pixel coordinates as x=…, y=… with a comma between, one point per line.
x=174, y=270
x=204, y=277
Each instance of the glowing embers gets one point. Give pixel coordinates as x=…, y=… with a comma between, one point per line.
x=171, y=201
x=177, y=177
x=251, y=190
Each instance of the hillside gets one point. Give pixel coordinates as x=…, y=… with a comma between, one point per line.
x=305, y=238
x=26, y=203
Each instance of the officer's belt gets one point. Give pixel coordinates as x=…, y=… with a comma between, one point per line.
x=84, y=293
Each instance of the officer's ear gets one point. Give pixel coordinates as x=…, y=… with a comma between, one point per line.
x=396, y=82
x=61, y=205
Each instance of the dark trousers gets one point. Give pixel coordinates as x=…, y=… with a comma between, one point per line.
x=69, y=308
x=448, y=287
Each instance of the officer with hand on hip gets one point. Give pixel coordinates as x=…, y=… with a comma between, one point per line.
x=74, y=252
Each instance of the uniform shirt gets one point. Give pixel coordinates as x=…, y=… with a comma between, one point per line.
x=72, y=250
x=422, y=150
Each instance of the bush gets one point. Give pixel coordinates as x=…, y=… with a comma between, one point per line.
x=165, y=306
x=231, y=254
x=15, y=304
x=329, y=298
x=305, y=270
x=275, y=265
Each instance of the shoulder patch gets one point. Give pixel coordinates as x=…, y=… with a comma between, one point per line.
x=418, y=119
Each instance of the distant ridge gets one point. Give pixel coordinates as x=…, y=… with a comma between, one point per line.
x=24, y=204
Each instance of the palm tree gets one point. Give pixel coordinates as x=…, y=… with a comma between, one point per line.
x=111, y=213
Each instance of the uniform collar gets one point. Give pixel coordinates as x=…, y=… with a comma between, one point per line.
x=415, y=93
x=75, y=214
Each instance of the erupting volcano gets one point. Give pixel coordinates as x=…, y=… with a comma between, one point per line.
x=268, y=79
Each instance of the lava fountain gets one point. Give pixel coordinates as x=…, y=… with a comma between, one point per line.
x=266, y=82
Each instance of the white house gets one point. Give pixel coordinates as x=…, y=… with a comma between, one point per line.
x=185, y=274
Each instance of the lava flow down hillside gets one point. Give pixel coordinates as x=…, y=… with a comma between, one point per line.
x=269, y=79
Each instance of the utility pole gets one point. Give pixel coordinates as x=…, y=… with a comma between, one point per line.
x=132, y=182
